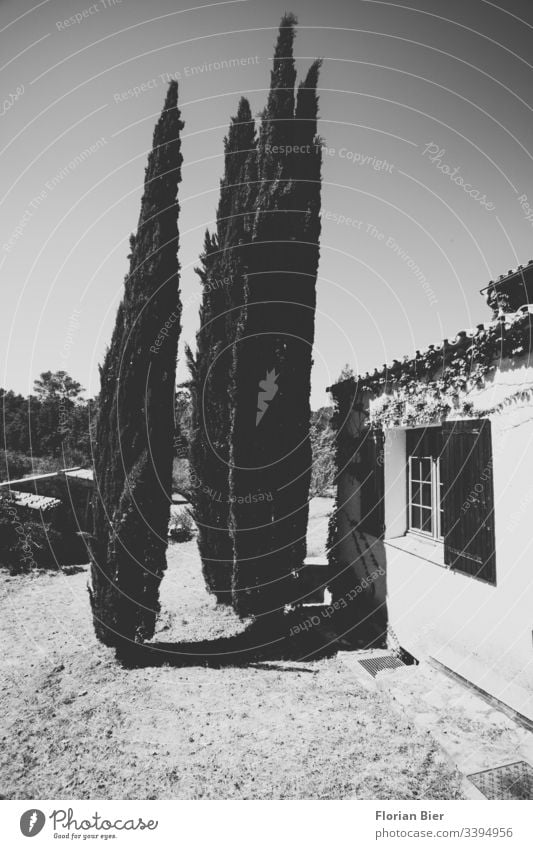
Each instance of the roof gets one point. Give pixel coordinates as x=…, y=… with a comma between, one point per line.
x=74, y=473
x=510, y=335
x=519, y=271
x=29, y=479
x=79, y=474
x=34, y=502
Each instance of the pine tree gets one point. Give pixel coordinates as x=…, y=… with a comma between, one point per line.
x=222, y=278
x=270, y=446
x=134, y=434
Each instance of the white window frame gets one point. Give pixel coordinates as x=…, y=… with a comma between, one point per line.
x=436, y=510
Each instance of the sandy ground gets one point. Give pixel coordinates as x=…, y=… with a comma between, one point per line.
x=471, y=730
x=76, y=724
x=320, y=510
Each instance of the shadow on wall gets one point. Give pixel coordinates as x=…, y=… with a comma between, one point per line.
x=358, y=586
x=356, y=553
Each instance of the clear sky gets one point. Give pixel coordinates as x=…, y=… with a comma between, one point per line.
x=413, y=97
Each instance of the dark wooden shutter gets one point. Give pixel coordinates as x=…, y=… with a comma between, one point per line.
x=424, y=442
x=468, y=498
x=373, y=483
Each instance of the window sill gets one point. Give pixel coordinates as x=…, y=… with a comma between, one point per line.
x=426, y=549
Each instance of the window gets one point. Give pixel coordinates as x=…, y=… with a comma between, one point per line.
x=450, y=493
x=450, y=496
x=425, y=514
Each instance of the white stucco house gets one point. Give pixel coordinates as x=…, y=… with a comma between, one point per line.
x=435, y=484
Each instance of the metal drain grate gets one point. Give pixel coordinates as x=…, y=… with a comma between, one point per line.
x=373, y=665
x=512, y=781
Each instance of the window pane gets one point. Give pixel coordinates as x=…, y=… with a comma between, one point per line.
x=426, y=520
x=426, y=494
x=426, y=490
x=426, y=469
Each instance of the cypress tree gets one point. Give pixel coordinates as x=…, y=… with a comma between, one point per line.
x=222, y=278
x=270, y=445
x=134, y=434
x=206, y=453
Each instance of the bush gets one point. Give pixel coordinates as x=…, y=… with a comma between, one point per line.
x=28, y=543
x=24, y=544
x=69, y=460
x=10, y=544
x=14, y=465
x=181, y=527
x=45, y=465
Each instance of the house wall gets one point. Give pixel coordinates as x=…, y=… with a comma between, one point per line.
x=482, y=632
x=360, y=557
x=395, y=482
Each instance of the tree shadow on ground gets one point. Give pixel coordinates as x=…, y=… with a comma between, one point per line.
x=302, y=637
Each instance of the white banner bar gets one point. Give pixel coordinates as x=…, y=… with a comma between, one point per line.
x=266, y=825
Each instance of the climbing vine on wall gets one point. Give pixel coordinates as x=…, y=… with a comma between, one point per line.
x=432, y=386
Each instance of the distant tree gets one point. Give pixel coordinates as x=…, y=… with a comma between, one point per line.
x=55, y=385
x=223, y=283
x=14, y=423
x=54, y=408
x=346, y=373
x=82, y=431
x=134, y=435
x=54, y=423
x=271, y=451
x=14, y=465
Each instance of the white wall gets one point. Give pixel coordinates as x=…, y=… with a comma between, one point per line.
x=395, y=483
x=482, y=632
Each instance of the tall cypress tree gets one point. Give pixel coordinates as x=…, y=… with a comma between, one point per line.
x=134, y=435
x=270, y=446
x=222, y=278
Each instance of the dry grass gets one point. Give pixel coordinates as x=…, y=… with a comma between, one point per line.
x=78, y=725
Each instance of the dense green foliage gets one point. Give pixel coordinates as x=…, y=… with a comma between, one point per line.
x=271, y=450
x=223, y=294
x=251, y=465
x=30, y=540
x=53, y=422
x=135, y=430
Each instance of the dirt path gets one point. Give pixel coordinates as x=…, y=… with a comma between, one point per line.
x=75, y=724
